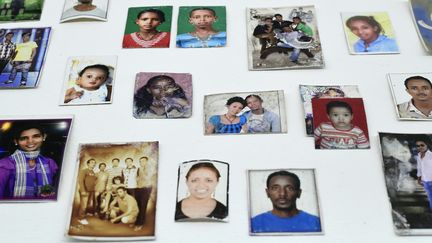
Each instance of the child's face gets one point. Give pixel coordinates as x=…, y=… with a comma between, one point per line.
x=162, y=88
x=92, y=79
x=363, y=30
x=117, y=181
x=202, y=18
x=341, y=118
x=148, y=21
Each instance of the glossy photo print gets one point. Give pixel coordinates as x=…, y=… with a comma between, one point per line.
x=148, y=27
x=283, y=202
x=340, y=123
x=422, y=16
x=245, y=113
x=20, y=10
x=202, y=191
x=162, y=95
x=283, y=38
x=412, y=95
x=369, y=33
x=308, y=92
x=407, y=167
x=115, y=191
x=89, y=80
x=85, y=10
x=31, y=157
x=22, y=55
x=201, y=27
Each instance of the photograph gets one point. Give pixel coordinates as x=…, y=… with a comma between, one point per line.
x=283, y=38
x=245, y=113
x=84, y=10
x=114, y=196
x=412, y=95
x=31, y=157
x=202, y=191
x=22, y=55
x=407, y=167
x=369, y=33
x=148, y=27
x=283, y=202
x=20, y=10
x=422, y=15
x=201, y=27
x=340, y=123
x=162, y=95
x=308, y=92
x=89, y=80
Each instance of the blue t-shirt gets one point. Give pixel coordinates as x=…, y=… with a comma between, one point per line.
x=302, y=222
x=227, y=128
x=381, y=44
x=187, y=40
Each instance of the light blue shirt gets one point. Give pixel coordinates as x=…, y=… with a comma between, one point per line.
x=381, y=44
x=270, y=122
x=187, y=40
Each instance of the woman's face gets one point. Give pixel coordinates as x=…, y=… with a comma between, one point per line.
x=30, y=140
x=364, y=30
x=202, y=18
x=162, y=88
x=235, y=108
x=92, y=79
x=148, y=21
x=202, y=183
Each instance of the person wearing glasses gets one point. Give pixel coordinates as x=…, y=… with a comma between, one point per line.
x=424, y=168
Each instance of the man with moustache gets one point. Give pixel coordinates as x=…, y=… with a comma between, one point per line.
x=283, y=189
x=420, y=106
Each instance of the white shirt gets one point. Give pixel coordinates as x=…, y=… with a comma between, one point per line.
x=424, y=166
x=408, y=110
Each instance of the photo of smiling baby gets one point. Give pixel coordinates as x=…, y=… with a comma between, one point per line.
x=89, y=80
x=340, y=124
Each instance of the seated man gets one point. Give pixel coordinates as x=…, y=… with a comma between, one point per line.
x=127, y=210
x=265, y=33
x=290, y=39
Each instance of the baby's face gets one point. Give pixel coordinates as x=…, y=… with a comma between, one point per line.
x=92, y=79
x=341, y=118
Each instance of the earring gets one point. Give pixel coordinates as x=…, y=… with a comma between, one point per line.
x=16, y=144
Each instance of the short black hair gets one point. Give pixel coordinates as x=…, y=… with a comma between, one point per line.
x=416, y=77
x=236, y=99
x=101, y=165
x=122, y=188
x=25, y=33
x=160, y=14
x=102, y=67
x=297, y=18
x=116, y=159
x=202, y=8
x=117, y=178
x=10, y=33
x=129, y=158
x=144, y=157
x=20, y=127
x=338, y=103
x=254, y=95
x=268, y=18
x=422, y=138
x=280, y=15
x=88, y=161
x=295, y=178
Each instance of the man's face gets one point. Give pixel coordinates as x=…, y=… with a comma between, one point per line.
x=283, y=193
x=143, y=162
x=115, y=162
x=421, y=146
x=254, y=103
x=121, y=193
x=9, y=36
x=91, y=164
x=278, y=18
x=268, y=22
x=420, y=90
x=129, y=162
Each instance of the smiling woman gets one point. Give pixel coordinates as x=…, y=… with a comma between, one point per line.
x=202, y=180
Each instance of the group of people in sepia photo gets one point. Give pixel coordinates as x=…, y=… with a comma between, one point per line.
x=114, y=194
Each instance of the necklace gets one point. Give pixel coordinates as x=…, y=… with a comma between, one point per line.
x=230, y=120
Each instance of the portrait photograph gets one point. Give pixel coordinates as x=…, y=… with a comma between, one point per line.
x=84, y=10
x=308, y=92
x=148, y=27
x=201, y=27
x=412, y=95
x=202, y=191
x=283, y=202
x=22, y=55
x=407, y=167
x=114, y=196
x=89, y=80
x=20, y=10
x=369, y=33
x=283, y=38
x=31, y=157
x=340, y=123
x=422, y=15
x=162, y=95
x=245, y=113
